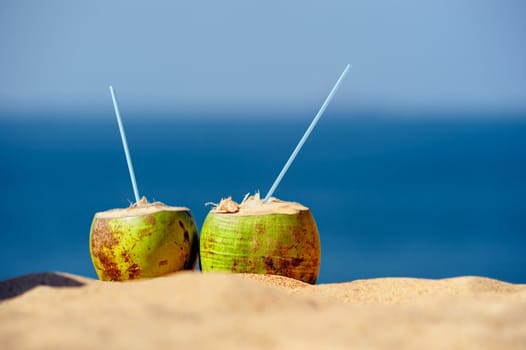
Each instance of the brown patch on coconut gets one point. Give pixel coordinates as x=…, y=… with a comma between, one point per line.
x=102, y=245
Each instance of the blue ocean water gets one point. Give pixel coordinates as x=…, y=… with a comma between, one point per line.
x=423, y=197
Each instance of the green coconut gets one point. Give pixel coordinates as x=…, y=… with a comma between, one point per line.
x=277, y=237
x=142, y=241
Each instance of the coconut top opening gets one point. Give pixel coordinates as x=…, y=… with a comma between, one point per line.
x=254, y=205
x=142, y=207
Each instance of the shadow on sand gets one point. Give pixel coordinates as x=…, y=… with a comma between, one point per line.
x=16, y=286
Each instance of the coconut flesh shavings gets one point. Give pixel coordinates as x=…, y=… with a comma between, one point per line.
x=142, y=207
x=254, y=205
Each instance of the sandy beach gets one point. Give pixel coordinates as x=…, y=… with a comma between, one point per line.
x=236, y=311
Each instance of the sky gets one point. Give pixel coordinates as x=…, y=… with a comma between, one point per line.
x=245, y=54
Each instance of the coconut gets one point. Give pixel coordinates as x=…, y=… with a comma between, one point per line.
x=144, y=240
x=274, y=237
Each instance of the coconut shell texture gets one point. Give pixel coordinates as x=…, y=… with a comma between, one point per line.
x=278, y=244
x=143, y=246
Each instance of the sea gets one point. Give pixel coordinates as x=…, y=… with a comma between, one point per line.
x=427, y=195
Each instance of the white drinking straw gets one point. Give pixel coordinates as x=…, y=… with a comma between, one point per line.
x=125, y=145
x=307, y=133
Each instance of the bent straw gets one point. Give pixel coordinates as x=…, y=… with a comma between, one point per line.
x=307, y=133
x=125, y=145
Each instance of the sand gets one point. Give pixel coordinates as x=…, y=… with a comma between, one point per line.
x=219, y=311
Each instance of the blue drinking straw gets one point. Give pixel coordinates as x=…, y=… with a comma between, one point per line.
x=125, y=145
x=307, y=133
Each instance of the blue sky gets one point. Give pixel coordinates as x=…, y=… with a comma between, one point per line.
x=262, y=54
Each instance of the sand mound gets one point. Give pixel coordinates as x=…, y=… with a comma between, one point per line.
x=216, y=311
